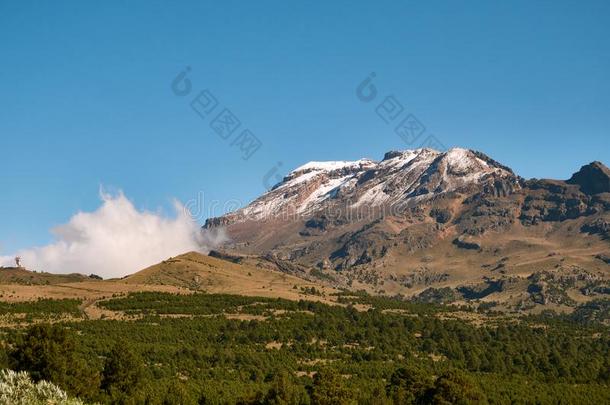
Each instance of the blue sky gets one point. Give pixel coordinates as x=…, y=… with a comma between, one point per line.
x=86, y=95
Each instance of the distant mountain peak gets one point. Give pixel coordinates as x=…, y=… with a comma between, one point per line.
x=593, y=178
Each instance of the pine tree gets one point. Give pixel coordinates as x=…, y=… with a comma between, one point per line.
x=328, y=389
x=49, y=352
x=123, y=372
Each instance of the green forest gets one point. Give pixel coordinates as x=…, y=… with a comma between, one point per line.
x=224, y=349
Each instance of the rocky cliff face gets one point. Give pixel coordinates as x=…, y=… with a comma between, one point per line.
x=421, y=219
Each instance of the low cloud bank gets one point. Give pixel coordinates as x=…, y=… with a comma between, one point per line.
x=116, y=240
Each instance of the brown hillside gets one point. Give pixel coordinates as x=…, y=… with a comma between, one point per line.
x=17, y=275
x=198, y=272
x=182, y=274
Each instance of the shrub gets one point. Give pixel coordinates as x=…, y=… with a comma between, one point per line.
x=17, y=388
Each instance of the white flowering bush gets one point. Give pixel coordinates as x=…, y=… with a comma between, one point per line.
x=17, y=388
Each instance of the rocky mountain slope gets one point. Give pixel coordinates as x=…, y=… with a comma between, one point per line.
x=443, y=226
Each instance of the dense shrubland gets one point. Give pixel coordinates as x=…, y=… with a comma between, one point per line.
x=183, y=349
x=42, y=307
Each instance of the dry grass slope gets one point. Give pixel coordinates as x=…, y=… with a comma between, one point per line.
x=198, y=272
x=182, y=274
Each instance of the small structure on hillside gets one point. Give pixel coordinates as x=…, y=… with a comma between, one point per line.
x=18, y=261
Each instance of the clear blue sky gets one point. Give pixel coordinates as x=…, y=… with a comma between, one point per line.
x=85, y=97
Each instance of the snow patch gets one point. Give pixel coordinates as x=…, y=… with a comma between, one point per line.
x=334, y=165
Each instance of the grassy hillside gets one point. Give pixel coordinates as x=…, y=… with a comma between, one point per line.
x=184, y=274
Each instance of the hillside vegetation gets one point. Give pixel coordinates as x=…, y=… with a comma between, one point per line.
x=210, y=348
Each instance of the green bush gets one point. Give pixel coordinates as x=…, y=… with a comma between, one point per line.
x=48, y=352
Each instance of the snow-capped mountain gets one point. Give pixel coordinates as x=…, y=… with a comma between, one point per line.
x=402, y=177
x=422, y=218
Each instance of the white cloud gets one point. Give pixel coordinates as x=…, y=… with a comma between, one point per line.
x=116, y=240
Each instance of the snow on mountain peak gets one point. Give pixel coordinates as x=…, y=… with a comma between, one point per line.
x=400, y=176
x=332, y=165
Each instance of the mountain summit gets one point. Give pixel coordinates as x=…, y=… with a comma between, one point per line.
x=400, y=179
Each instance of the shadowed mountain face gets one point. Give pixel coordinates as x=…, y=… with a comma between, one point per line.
x=593, y=178
x=422, y=219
